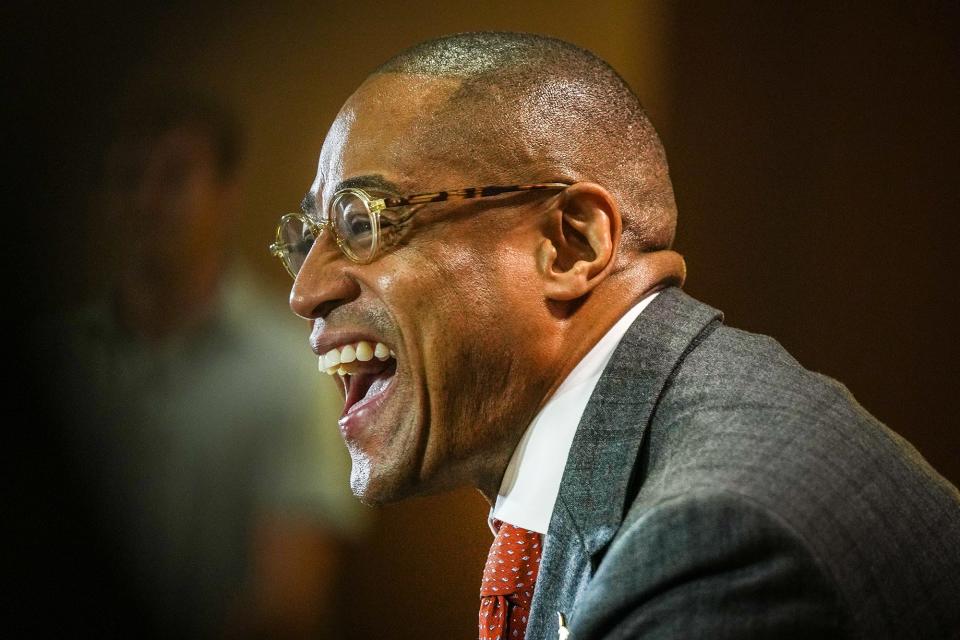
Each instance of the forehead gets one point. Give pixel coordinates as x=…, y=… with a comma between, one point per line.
x=387, y=129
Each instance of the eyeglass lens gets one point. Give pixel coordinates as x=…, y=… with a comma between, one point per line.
x=355, y=226
x=296, y=238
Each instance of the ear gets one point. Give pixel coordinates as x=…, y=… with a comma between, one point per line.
x=580, y=241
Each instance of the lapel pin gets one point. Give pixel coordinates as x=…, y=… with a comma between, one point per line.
x=562, y=633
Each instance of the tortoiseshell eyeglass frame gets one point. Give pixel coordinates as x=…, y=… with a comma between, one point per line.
x=376, y=206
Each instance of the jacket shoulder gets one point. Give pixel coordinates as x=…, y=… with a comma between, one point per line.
x=739, y=416
x=709, y=563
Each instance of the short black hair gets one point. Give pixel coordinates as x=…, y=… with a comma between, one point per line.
x=147, y=113
x=540, y=90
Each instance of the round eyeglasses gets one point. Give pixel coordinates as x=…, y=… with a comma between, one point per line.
x=363, y=225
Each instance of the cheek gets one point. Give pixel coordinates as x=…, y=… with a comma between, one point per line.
x=463, y=302
x=477, y=294
x=435, y=288
x=471, y=331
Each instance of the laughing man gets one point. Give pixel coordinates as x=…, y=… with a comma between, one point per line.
x=485, y=258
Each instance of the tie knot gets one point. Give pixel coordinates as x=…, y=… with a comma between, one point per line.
x=513, y=562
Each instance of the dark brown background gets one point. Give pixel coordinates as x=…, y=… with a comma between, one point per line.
x=814, y=156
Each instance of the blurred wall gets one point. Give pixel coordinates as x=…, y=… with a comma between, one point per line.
x=812, y=150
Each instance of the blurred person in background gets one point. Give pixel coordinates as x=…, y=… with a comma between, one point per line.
x=195, y=414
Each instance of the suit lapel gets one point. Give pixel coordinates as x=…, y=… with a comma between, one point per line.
x=597, y=476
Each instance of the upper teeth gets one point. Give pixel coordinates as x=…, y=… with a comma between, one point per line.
x=340, y=360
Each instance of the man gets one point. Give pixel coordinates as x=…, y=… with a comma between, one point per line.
x=682, y=478
x=221, y=495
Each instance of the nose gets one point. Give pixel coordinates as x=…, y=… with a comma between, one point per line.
x=323, y=283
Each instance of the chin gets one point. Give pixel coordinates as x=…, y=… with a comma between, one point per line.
x=375, y=486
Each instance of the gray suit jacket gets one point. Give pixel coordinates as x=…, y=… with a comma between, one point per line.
x=716, y=489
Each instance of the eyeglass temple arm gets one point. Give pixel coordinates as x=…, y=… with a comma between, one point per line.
x=468, y=193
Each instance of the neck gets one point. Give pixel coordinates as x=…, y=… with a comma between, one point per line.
x=582, y=323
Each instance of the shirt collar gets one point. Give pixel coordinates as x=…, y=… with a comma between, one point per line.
x=531, y=482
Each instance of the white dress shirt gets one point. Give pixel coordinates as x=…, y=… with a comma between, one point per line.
x=531, y=482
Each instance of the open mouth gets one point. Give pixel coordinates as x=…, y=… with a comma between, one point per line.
x=365, y=369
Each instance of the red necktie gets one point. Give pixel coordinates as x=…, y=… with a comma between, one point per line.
x=507, y=587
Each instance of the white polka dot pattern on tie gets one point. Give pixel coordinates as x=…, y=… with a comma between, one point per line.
x=507, y=586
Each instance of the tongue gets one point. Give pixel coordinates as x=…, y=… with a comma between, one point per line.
x=378, y=384
x=365, y=386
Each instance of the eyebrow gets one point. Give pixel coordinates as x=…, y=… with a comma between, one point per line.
x=309, y=204
x=372, y=182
